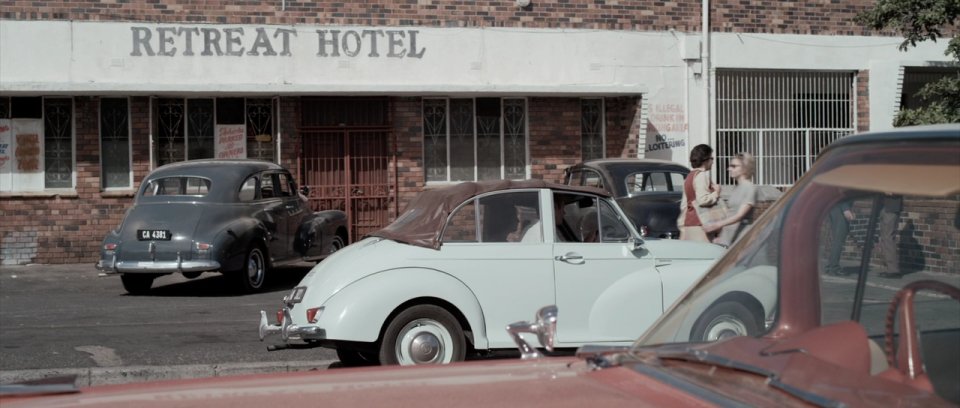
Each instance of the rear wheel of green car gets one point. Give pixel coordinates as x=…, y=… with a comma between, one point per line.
x=725, y=320
x=423, y=334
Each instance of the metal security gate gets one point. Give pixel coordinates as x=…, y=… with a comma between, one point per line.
x=347, y=170
x=784, y=118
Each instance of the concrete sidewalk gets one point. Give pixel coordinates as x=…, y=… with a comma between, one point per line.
x=86, y=377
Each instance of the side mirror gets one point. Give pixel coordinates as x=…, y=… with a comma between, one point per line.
x=635, y=243
x=305, y=190
x=545, y=328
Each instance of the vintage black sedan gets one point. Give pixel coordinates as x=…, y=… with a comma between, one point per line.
x=648, y=190
x=238, y=217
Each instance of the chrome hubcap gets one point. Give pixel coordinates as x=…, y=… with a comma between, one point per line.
x=724, y=327
x=255, y=268
x=424, y=341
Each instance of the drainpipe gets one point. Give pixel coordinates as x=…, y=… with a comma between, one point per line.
x=705, y=61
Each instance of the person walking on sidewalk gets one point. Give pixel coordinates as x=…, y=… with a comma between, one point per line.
x=698, y=190
x=840, y=217
x=742, y=200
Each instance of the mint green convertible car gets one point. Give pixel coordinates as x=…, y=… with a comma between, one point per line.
x=463, y=262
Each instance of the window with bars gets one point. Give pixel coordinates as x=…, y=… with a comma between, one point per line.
x=784, y=118
x=592, y=129
x=36, y=143
x=115, y=143
x=468, y=139
x=189, y=129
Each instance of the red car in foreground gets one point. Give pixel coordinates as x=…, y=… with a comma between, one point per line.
x=856, y=338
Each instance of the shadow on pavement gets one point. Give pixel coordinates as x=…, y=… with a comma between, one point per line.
x=215, y=284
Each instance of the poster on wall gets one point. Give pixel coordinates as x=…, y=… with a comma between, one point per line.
x=26, y=155
x=667, y=132
x=6, y=153
x=231, y=142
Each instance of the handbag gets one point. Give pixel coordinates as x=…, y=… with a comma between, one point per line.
x=712, y=213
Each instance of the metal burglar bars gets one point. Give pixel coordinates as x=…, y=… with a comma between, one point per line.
x=346, y=166
x=784, y=118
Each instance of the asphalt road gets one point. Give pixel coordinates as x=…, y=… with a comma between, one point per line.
x=70, y=319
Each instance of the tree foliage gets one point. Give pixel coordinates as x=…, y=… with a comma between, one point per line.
x=917, y=21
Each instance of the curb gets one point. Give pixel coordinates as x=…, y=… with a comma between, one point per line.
x=86, y=377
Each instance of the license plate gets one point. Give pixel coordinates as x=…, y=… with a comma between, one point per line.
x=153, y=235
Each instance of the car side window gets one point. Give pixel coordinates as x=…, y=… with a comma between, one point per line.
x=248, y=190
x=592, y=179
x=267, y=189
x=655, y=182
x=510, y=217
x=648, y=181
x=612, y=227
x=462, y=224
x=676, y=181
x=575, y=218
x=284, y=188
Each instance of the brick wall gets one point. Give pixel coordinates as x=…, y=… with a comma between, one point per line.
x=69, y=228
x=863, y=101
x=926, y=236
x=748, y=16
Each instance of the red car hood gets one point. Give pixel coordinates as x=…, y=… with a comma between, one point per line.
x=550, y=382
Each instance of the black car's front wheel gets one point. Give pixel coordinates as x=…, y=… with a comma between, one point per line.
x=253, y=273
x=137, y=283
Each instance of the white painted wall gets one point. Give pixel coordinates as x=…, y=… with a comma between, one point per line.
x=61, y=57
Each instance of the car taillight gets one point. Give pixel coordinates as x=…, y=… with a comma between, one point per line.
x=644, y=230
x=203, y=246
x=280, y=316
x=110, y=247
x=312, y=314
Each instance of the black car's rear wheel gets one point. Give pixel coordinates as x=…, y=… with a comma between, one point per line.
x=137, y=283
x=253, y=273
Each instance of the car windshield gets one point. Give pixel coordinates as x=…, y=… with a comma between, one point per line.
x=887, y=214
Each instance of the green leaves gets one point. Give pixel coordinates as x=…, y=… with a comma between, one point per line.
x=917, y=21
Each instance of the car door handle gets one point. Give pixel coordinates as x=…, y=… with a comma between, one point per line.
x=571, y=257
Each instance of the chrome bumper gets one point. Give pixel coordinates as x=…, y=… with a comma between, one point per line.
x=179, y=265
x=287, y=329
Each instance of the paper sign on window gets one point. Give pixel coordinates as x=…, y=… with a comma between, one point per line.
x=231, y=142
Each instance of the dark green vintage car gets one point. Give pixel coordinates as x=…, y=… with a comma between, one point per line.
x=238, y=217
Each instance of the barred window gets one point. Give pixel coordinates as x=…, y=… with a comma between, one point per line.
x=475, y=139
x=115, y=143
x=784, y=118
x=592, y=129
x=36, y=143
x=203, y=128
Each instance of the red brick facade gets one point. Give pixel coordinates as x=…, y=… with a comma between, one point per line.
x=754, y=16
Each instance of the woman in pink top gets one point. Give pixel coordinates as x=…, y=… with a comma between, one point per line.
x=698, y=190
